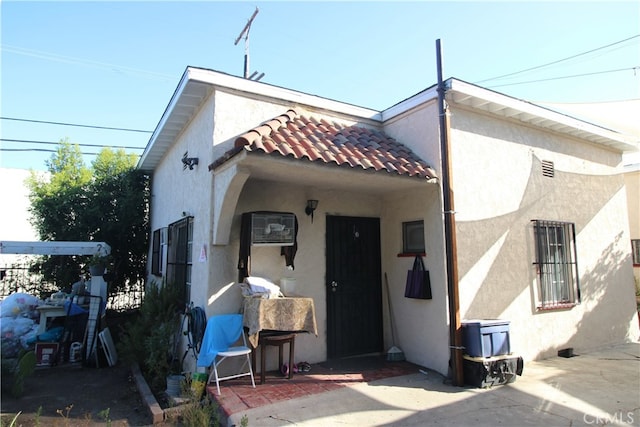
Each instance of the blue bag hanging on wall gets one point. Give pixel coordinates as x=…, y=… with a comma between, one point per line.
x=418, y=283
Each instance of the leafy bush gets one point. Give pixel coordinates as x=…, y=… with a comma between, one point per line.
x=15, y=371
x=151, y=339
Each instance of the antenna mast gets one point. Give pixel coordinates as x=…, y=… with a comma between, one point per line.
x=245, y=33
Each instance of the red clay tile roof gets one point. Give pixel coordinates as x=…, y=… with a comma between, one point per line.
x=303, y=137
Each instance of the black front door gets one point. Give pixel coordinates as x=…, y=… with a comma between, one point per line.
x=354, y=295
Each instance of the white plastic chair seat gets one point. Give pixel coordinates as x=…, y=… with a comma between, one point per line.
x=235, y=351
x=232, y=352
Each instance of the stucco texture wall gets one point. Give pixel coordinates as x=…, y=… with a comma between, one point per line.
x=309, y=272
x=632, y=184
x=499, y=189
x=420, y=325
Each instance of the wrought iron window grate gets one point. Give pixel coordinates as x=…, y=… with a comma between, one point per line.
x=556, y=264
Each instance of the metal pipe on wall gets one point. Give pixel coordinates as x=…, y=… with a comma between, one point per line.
x=455, y=328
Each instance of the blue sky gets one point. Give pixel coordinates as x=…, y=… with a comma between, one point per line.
x=116, y=64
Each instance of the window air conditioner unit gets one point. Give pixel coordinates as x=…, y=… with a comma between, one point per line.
x=272, y=228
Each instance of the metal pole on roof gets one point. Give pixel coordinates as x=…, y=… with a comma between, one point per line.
x=245, y=33
x=455, y=328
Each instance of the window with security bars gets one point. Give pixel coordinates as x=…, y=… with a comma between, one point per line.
x=635, y=251
x=180, y=255
x=556, y=264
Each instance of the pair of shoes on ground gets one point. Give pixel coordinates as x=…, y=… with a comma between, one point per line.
x=304, y=367
x=300, y=367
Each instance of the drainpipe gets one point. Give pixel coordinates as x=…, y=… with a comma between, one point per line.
x=455, y=329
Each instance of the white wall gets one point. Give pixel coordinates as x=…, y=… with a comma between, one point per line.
x=499, y=189
x=422, y=325
x=632, y=185
x=14, y=216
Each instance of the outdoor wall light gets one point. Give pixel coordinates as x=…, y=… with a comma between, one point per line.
x=188, y=162
x=311, y=207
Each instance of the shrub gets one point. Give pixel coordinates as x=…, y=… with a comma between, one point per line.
x=151, y=339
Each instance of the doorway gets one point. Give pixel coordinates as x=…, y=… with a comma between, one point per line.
x=354, y=286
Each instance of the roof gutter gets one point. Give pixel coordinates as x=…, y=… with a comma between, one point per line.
x=455, y=328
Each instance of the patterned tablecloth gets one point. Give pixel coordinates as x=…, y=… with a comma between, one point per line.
x=278, y=314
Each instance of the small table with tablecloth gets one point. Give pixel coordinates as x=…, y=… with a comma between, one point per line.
x=277, y=317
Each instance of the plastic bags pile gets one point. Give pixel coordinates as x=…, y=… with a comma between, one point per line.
x=18, y=323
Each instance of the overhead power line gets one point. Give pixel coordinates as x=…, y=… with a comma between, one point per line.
x=558, y=61
x=43, y=150
x=29, y=141
x=634, y=69
x=75, y=125
x=86, y=62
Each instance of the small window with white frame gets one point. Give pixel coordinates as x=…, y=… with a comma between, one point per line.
x=556, y=264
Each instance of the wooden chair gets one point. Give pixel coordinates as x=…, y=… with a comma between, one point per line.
x=276, y=339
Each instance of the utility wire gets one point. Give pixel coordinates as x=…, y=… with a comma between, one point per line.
x=43, y=150
x=634, y=69
x=86, y=62
x=29, y=141
x=559, y=60
x=76, y=125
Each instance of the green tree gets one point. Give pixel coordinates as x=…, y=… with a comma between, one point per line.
x=105, y=202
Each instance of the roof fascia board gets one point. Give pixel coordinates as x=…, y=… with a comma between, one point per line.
x=165, y=116
x=255, y=89
x=266, y=90
x=410, y=103
x=482, y=95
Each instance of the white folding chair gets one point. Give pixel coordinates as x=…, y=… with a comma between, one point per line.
x=221, y=333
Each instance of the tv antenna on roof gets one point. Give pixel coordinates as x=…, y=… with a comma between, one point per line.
x=245, y=33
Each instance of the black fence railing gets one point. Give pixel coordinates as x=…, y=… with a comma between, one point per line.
x=18, y=277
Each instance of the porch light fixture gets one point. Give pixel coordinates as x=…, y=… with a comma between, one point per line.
x=311, y=207
x=188, y=162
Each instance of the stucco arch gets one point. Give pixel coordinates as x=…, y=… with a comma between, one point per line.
x=227, y=186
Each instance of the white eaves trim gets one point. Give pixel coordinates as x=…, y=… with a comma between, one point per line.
x=416, y=100
x=197, y=83
x=498, y=104
x=263, y=89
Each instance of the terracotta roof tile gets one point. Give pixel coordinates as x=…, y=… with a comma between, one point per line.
x=304, y=137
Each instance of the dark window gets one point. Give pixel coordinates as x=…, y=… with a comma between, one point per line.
x=159, y=252
x=155, y=254
x=556, y=264
x=635, y=250
x=180, y=255
x=413, y=237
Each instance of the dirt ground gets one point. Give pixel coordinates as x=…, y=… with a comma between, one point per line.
x=72, y=395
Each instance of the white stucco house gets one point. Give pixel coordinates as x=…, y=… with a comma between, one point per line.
x=632, y=184
x=541, y=226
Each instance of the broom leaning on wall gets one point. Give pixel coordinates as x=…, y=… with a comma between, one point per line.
x=394, y=354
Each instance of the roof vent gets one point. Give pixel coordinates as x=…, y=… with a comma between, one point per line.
x=548, y=169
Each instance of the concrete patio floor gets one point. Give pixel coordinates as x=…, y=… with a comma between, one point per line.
x=595, y=388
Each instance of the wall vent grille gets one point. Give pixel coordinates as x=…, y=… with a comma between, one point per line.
x=548, y=169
